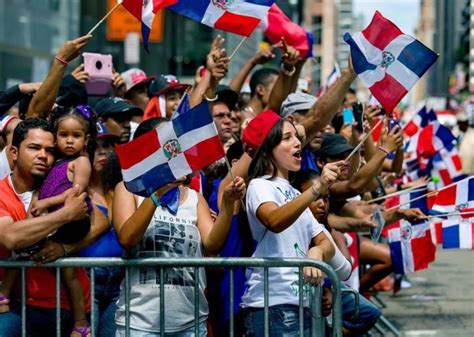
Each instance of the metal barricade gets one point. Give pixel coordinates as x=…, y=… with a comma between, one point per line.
x=317, y=321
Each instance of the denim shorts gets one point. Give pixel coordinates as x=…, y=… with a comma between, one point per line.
x=283, y=321
x=189, y=332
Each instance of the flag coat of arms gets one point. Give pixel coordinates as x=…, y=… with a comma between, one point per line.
x=173, y=150
x=457, y=198
x=144, y=11
x=236, y=16
x=388, y=61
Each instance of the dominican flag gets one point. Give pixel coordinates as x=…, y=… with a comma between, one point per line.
x=388, y=61
x=458, y=232
x=173, y=150
x=447, y=166
x=144, y=11
x=459, y=197
x=236, y=16
x=419, y=121
x=411, y=247
x=277, y=25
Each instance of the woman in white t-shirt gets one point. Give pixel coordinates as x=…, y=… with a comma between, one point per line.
x=174, y=222
x=281, y=224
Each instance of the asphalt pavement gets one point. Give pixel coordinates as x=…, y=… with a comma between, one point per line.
x=440, y=301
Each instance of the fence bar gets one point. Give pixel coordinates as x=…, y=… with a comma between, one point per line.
x=265, y=300
x=317, y=312
x=92, y=296
x=301, y=303
x=231, y=301
x=23, y=301
x=162, y=302
x=127, y=302
x=58, y=302
x=196, y=301
x=356, y=295
x=198, y=262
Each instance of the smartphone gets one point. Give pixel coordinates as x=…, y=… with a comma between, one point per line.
x=391, y=123
x=379, y=222
x=347, y=116
x=202, y=71
x=99, y=68
x=358, y=111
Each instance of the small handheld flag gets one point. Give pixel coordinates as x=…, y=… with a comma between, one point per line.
x=388, y=61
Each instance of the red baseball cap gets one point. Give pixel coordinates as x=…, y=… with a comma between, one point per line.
x=135, y=76
x=258, y=129
x=164, y=83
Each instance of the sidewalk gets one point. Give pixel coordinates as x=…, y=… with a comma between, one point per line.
x=441, y=300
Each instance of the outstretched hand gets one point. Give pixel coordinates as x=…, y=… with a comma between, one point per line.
x=70, y=50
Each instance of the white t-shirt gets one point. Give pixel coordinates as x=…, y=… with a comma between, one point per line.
x=4, y=165
x=290, y=243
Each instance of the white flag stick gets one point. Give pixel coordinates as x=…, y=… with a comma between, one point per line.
x=449, y=214
x=105, y=17
x=363, y=140
x=411, y=189
x=238, y=47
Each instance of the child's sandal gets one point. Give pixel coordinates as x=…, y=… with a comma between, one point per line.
x=84, y=331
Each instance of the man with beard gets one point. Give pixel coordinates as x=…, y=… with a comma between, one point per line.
x=32, y=152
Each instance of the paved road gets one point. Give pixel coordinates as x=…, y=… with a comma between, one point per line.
x=441, y=300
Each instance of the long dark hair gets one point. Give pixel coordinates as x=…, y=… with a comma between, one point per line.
x=262, y=161
x=87, y=116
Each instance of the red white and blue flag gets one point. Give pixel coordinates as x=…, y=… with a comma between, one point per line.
x=459, y=197
x=388, y=61
x=447, y=166
x=236, y=16
x=421, y=119
x=173, y=150
x=144, y=11
x=411, y=245
x=458, y=232
x=277, y=25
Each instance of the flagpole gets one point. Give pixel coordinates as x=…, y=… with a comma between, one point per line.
x=237, y=48
x=428, y=194
x=421, y=187
x=363, y=140
x=449, y=214
x=105, y=17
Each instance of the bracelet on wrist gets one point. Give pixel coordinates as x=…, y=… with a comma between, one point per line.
x=210, y=99
x=64, y=250
x=61, y=60
x=155, y=200
x=315, y=193
x=287, y=72
x=383, y=150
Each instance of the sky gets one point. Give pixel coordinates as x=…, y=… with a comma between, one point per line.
x=403, y=13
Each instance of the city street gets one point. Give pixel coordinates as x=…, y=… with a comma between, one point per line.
x=441, y=300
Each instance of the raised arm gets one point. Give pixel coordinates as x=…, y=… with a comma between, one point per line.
x=24, y=233
x=278, y=218
x=324, y=109
x=262, y=57
x=43, y=100
x=214, y=233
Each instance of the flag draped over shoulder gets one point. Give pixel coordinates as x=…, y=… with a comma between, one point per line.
x=144, y=11
x=236, y=16
x=175, y=149
x=388, y=61
x=277, y=25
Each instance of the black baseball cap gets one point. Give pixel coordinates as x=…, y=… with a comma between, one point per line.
x=227, y=96
x=116, y=108
x=333, y=145
x=165, y=83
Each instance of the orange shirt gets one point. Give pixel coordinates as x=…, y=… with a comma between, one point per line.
x=41, y=282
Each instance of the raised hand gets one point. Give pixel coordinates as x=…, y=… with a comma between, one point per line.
x=70, y=50
x=80, y=74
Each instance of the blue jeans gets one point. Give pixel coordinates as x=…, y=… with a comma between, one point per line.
x=283, y=320
x=368, y=314
x=189, y=332
x=107, y=290
x=40, y=322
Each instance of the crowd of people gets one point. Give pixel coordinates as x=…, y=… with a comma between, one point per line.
x=292, y=192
